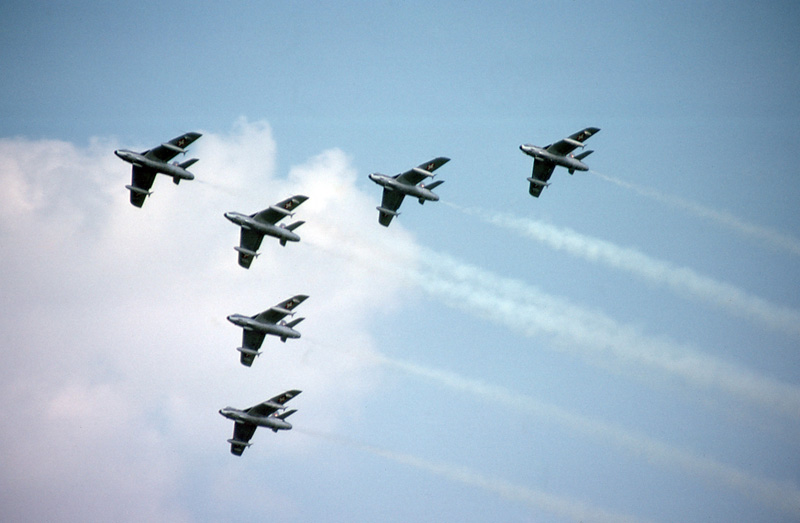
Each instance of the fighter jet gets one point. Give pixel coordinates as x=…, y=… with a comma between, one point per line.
x=149, y=163
x=255, y=226
x=261, y=415
x=396, y=187
x=268, y=322
x=546, y=158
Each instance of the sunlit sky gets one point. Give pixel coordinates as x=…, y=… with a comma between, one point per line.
x=623, y=348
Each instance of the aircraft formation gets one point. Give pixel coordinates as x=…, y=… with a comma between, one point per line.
x=272, y=413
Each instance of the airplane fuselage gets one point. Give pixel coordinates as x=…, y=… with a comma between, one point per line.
x=544, y=155
x=170, y=169
x=278, y=231
x=415, y=191
x=241, y=416
x=276, y=329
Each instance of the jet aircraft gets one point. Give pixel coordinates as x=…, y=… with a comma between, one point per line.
x=255, y=226
x=396, y=187
x=268, y=322
x=546, y=158
x=153, y=161
x=261, y=415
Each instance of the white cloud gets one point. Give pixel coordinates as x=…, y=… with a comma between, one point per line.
x=116, y=342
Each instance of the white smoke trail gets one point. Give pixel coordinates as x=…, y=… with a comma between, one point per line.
x=784, y=496
x=682, y=280
x=528, y=311
x=559, y=505
x=601, y=340
x=726, y=219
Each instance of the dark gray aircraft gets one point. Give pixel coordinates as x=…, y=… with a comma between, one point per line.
x=268, y=322
x=546, y=158
x=255, y=226
x=261, y=415
x=396, y=187
x=149, y=163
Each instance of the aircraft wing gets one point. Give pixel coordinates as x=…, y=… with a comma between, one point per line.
x=142, y=178
x=241, y=432
x=391, y=201
x=277, y=313
x=269, y=407
x=251, y=340
x=541, y=171
x=251, y=241
x=274, y=214
x=414, y=176
x=169, y=150
x=569, y=144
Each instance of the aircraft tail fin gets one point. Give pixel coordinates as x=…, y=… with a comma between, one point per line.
x=434, y=185
x=583, y=155
x=188, y=163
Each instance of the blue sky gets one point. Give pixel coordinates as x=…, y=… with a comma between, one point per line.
x=623, y=348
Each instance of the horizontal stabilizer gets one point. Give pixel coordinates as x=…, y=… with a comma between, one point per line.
x=175, y=148
x=138, y=190
x=540, y=183
x=246, y=252
x=286, y=414
x=388, y=211
x=583, y=155
x=422, y=172
x=292, y=324
x=295, y=225
x=188, y=163
x=434, y=185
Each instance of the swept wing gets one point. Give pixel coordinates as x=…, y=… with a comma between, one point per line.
x=169, y=150
x=278, y=312
x=572, y=142
x=275, y=213
x=391, y=202
x=242, y=432
x=271, y=406
x=422, y=171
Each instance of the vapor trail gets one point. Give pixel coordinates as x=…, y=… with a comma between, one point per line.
x=520, y=307
x=554, y=504
x=682, y=280
x=784, y=496
x=531, y=312
x=763, y=234
x=600, y=339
